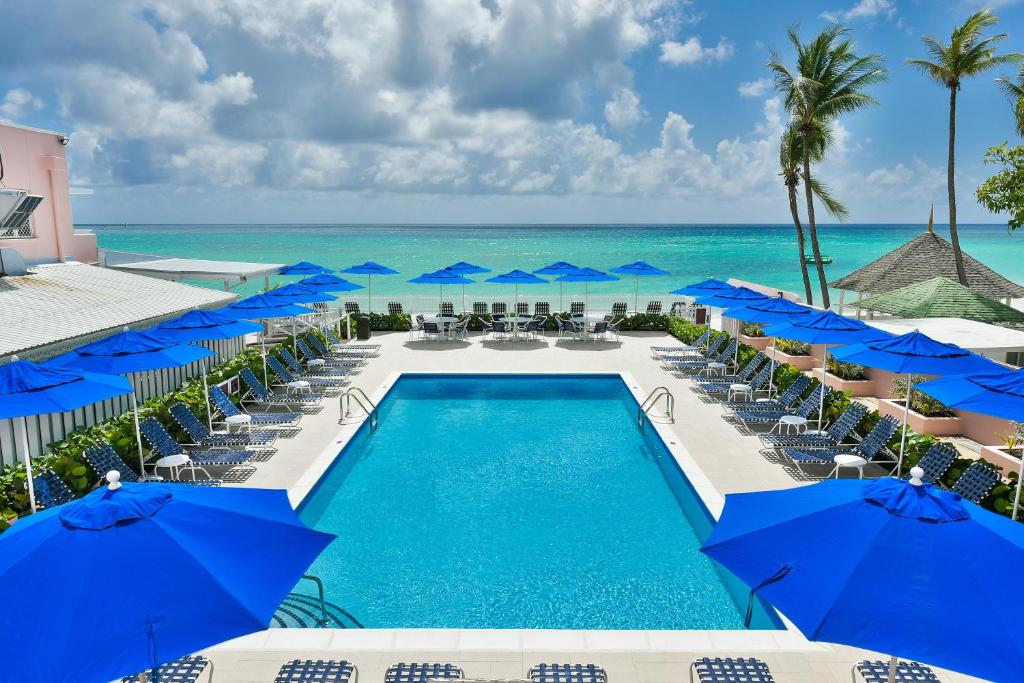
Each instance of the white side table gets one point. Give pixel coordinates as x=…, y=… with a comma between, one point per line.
x=239, y=421
x=792, y=423
x=174, y=463
x=717, y=368
x=315, y=362
x=737, y=390
x=850, y=460
x=298, y=385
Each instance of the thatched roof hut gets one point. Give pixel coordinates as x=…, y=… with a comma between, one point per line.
x=941, y=297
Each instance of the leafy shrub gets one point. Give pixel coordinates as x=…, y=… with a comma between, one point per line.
x=845, y=371
x=793, y=347
x=920, y=403
x=753, y=330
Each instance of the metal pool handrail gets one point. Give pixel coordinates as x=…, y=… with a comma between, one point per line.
x=364, y=402
x=652, y=400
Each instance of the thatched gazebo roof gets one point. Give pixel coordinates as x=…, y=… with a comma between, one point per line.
x=941, y=297
x=924, y=257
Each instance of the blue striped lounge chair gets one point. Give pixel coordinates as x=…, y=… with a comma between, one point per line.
x=936, y=462
x=261, y=395
x=756, y=385
x=906, y=672
x=721, y=361
x=318, y=671
x=314, y=349
x=567, y=673
x=783, y=401
x=711, y=349
x=102, y=458
x=866, y=451
x=184, y=670
x=697, y=346
x=310, y=369
x=50, y=490
x=306, y=382
x=279, y=419
x=202, y=436
x=833, y=436
x=976, y=482
x=806, y=408
x=163, y=444
x=421, y=672
x=744, y=374
x=339, y=346
x=730, y=670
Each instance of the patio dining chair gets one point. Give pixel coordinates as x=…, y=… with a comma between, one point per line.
x=570, y=328
x=459, y=329
x=730, y=670
x=432, y=329
x=50, y=490
x=598, y=331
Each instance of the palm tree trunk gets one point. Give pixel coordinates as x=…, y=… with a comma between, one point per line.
x=954, y=239
x=812, y=226
x=794, y=211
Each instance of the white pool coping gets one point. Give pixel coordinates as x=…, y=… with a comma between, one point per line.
x=788, y=639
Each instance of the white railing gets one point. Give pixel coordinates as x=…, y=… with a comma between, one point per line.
x=598, y=303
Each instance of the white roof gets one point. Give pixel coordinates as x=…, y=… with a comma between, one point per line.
x=969, y=334
x=198, y=269
x=63, y=301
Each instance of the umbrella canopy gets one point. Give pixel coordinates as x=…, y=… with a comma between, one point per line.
x=325, y=282
x=737, y=296
x=298, y=293
x=586, y=276
x=873, y=563
x=770, y=311
x=638, y=269
x=369, y=269
x=557, y=268
x=517, y=277
x=999, y=393
x=941, y=297
x=704, y=288
x=304, y=268
x=130, y=351
x=464, y=268
x=262, y=306
x=441, y=277
x=202, y=325
x=216, y=563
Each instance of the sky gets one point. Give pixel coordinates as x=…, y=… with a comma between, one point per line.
x=470, y=111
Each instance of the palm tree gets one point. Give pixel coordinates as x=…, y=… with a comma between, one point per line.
x=828, y=80
x=791, y=154
x=967, y=54
x=1015, y=91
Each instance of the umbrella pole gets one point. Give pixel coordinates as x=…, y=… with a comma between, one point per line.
x=369, y=293
x=1016, y=497
x=23, y=443
x=636, y=295
x=206, y=397
x=771, y=375
x=263, y=356
x=906, y=416
x=893, y=663
x=821, y=404
x=463, y=298
x=138, y=430
x=561, y=304
x=295, y=349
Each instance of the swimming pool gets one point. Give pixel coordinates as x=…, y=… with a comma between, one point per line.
x=517, y=501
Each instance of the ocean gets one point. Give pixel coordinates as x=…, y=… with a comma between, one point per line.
x=762, y=253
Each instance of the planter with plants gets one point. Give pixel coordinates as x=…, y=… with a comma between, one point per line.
x=926, y=416
x=846, y=377
x=753, y=336
x=797, y=354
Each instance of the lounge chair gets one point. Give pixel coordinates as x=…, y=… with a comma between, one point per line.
x=319, y=356
x=352, y=307
x=832, y=437
x=619, y=309
x=479, y=308
x=421, y=672
x=184, y=670
x=163, y=444
x=102, y=458
x=522, y=308
x=734, y=387
x=567, y=673
x=936, y=462
x=744, y=374
x=696, y=347
x=713, y=347
x=805, y=409
x=576, y=308
x=542, y=308
x=867, y=451
x=395, y=308
x=906, y=672
x=315, y=366
x=319, y=671
x=499, y=307
x=338, y=346
x=730, y=670
x=782, y=402
x=721, y=361
x=306, y=382
x=263, y=396
x=280, y=419
x=202, y=436
x=976, y=482
x=653, y=308
x=340, y=358
x=50, y=490
x=446, y=308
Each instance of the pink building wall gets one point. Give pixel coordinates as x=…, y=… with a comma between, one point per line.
x=36, y=161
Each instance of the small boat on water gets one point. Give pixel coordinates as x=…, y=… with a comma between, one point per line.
x=825, y=260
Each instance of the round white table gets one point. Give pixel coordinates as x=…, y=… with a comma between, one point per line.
x=850, y=460
x=315, y=362
x=298, y=385
x=792, y=423
x=238, y=421
x=174, y=463
x=736, y=390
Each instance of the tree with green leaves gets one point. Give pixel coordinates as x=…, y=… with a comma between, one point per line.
x=827, y=80
x=968, y=53
x=1015, y=91
x=1004, y=192
x=791, y=154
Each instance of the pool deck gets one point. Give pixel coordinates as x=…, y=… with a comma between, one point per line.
x=716, y=456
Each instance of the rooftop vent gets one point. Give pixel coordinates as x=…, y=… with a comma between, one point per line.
x=16, y=206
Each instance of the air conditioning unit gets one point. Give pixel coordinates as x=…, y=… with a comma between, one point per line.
x=11, y=263
x=16, y=206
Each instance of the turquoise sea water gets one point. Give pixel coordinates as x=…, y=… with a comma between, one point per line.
x=763, y=253
x=489, y=501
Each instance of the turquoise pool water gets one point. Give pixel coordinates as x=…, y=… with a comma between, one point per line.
x=517, y=501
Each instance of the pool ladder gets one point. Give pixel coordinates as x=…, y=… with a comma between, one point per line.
x=359, y=397
x=324, y=620
x=651, y=401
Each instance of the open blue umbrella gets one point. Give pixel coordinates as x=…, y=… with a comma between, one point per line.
x=128, y=352
x=325, y=282
x=639, y=269
x=304, y=268
x=181, y=568
x=731, y=298
x=999, y=393
x=463, y=268
x=517, y=277
x=881, y=564
x=912, y=353
x=441, y=278
x=298, y=293
x=586, y=276
x=555, y=269
x=29, y=389
x=825, y=328
x=704, y=288
x=369, y=269
x=264, y=307
x=772, y=310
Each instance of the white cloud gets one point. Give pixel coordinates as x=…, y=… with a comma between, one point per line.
x=19, y=102
x=755, y=88
x=692, y=51
x=623, y=110
x=864, y=9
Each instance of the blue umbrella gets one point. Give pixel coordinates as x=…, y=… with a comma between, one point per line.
x=704, y=288
x=369, y=269
x=586, y=276
x=441, y=278
x=263, y=307
x=557, y=268
x=210, y=564
x=878, y=564
x=639, y=269
x=731, y=298
x=463, y=268
x=304, y=268
x=911, y=353
x=825, y=328
x=772, y=310
x=30, y=389
x=297, y=293
x=127, y=352
x=325, y=282
x=999, y=393
x=517, y=277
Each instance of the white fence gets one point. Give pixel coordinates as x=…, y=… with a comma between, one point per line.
x=597, y=303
